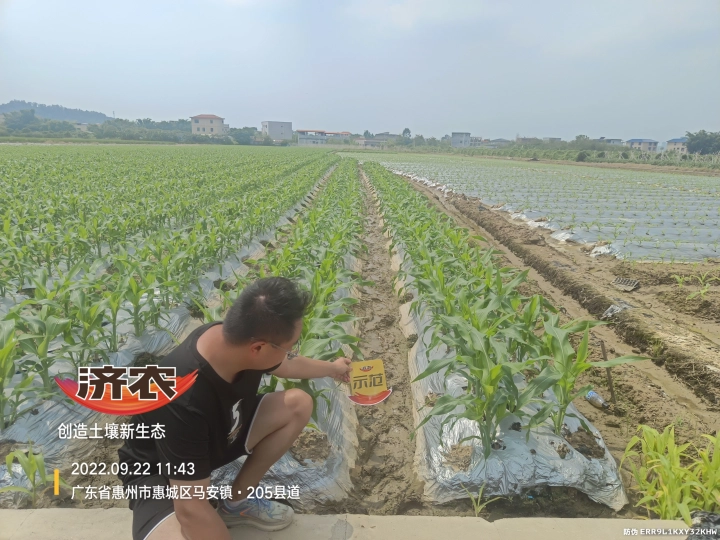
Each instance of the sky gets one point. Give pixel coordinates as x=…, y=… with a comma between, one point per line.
x=549, y=68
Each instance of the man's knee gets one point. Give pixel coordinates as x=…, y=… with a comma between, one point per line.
x=300, y=403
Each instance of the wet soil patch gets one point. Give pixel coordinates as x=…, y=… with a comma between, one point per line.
x=312, y=445
x=145, y=359
x=384, y=480
x=586, y=444
x=703, y=308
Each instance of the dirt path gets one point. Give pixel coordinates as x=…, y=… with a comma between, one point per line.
x=646, y=392
x=384, y=479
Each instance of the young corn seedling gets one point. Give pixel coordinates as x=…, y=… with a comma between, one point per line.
x=478, y=505
x=568, y=365
x=33, y=465
x=11, y=398
x=707, y=471
x=668, y=486
x=84, y=346
x=39, y=331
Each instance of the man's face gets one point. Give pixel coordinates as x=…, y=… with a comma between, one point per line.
x=267, y=355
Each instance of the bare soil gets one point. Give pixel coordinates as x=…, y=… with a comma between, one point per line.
x=384, y=480
x=459, y=457
x=586, y=444
x=312, y=445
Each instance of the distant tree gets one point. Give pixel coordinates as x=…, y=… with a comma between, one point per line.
x=15, y=121
x=244, y=135
x=267, y=141
x=581, y=138
x=406, y=133
x=368, y=135
x=419, y=140
x=703, y=142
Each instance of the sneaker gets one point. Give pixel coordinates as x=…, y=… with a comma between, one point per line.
x=261, y=513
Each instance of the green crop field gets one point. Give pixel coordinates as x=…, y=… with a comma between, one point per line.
x=111, y=254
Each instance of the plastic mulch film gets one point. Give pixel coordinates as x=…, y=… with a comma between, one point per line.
x=329, y=479
x=42, y=427
x=650, y=237
x=518, y=465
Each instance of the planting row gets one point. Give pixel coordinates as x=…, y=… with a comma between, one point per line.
x=85, y=314
x=319, y=251
x=496, y=371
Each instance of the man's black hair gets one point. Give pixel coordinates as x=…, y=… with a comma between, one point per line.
x=267, y=309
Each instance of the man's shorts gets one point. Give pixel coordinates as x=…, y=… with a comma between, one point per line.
x=148, y=514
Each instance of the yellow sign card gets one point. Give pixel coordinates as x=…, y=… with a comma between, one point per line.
x=368, y=378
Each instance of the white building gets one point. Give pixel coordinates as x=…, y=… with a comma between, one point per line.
x=460, y=140
x=277, y=131
x=209, y=124
x=476, y=142
x=310, y=137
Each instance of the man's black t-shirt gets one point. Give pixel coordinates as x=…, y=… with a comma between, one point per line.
x=206, y=426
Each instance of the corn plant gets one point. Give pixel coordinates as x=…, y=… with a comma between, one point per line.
x=38, y=332
x=476, y=500
x=314, y=252
x=671, y=481
x=84, y=345
x=33, y=465
x=492, y=332
x=567, y=365
x=305, y=385
x=11, y=398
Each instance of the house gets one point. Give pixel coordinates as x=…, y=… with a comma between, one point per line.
x=476, y=142
x=277, y=131
x=385, y=136
x=369, y=143
x=499, y=143
x=460, y=139
x=336, y=137
x=552, y=139
x=208, y=124
x=645, y=145
x=310, y=137
x=678, y=145
x=617, y=142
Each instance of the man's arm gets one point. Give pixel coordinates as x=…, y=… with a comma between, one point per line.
x=301, y=367
x=198, y=519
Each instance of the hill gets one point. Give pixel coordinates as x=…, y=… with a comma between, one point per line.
x=55, y=112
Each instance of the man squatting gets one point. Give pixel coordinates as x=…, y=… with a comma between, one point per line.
x=222, y=417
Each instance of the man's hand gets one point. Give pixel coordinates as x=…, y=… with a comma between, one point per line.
x=341, y=369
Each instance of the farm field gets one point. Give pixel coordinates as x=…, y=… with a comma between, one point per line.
x=112, y=254
x=635, y=215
